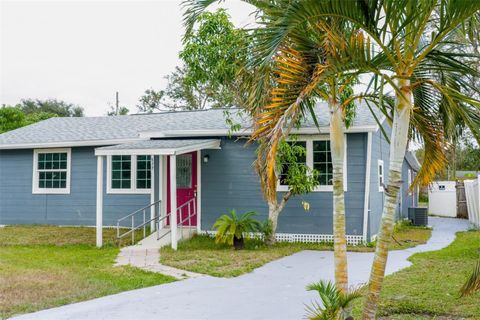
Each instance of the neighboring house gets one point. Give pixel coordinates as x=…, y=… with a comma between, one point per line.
x=96, y=170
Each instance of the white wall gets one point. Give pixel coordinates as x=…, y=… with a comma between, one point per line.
x=442, y=199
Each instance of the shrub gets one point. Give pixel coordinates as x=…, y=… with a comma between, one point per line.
x=232, y=230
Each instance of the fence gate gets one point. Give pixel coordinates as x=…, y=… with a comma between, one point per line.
x=462, y=211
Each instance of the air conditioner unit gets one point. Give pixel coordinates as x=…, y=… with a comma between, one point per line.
x=418, y=216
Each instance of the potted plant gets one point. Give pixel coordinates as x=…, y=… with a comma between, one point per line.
x=232, y=229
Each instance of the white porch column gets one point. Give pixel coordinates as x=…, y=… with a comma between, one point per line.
x=162, y=192
x=99, y=201
x=199, y=191
x=173, y=200
x=152, y=192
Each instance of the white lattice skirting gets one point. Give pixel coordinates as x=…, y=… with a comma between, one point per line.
x=300, y=237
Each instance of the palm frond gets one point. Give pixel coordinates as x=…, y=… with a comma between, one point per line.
x=472, y=284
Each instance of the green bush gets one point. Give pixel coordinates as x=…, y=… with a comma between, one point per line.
x=232, y=229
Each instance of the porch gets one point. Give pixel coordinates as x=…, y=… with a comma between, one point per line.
x=173, y=165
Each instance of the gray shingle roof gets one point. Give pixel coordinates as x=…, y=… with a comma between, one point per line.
x=118, y=129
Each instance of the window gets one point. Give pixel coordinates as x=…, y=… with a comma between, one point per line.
x=121, y=172
x=381, y=174
x=143, y=172
x=184, y=171
x=322, y=162
x=51, y=171
x=128, y=174
x=318, y=157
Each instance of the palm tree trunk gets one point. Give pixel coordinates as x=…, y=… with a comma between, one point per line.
x=398, y=145
x=337, y=143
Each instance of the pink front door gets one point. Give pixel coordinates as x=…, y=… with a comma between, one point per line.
x=186, y=186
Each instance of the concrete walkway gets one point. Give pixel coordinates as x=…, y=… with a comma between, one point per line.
x=274, y=291
x=148, y=259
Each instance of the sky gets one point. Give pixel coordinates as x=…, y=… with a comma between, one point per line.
x=82, y=52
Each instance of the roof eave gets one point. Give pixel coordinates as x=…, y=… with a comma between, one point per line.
x=244, y=132
x=85, y=143
x=159, y=151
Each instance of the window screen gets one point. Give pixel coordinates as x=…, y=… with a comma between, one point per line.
x=121, y=172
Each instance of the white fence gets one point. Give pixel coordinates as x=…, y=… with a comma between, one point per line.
x=472, y=193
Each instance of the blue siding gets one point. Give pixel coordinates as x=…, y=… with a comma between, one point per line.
x=408, y=200
x=381, y=151
x=229, y=181
x=18, y=204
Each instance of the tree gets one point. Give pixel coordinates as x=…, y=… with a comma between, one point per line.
x=122, y=111
x=58, y=107
x=151, y=101
x=212, y=55
x=298, y=82
x=418, y=68
x=12, y=118
x=409, y=55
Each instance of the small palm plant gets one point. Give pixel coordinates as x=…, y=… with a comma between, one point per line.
x=335, y=305
x=473, y=282
x=232, y=229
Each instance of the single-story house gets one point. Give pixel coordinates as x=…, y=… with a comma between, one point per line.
x=97, y=170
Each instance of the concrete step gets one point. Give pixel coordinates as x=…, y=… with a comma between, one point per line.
x=183, y=233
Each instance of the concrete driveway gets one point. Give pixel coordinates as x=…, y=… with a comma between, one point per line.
x=274, y=291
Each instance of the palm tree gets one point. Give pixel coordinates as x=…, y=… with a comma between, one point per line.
x=298, y=69
x=409, y=39
x=334, y=303
x=426, y=79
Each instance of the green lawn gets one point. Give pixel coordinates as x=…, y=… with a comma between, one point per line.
x=201, y=254
x=45, y=266
x=429, y=288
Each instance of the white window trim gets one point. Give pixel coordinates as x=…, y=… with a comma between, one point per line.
x=35, y=188
x=309, y=146
x=133, y=179
x=381, y=187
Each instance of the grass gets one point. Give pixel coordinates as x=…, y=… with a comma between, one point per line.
x=45, y=266
x=201, y=254
x=429, y=288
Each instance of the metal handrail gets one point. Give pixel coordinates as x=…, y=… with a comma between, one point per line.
x=144, y=224
x=190, y=215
